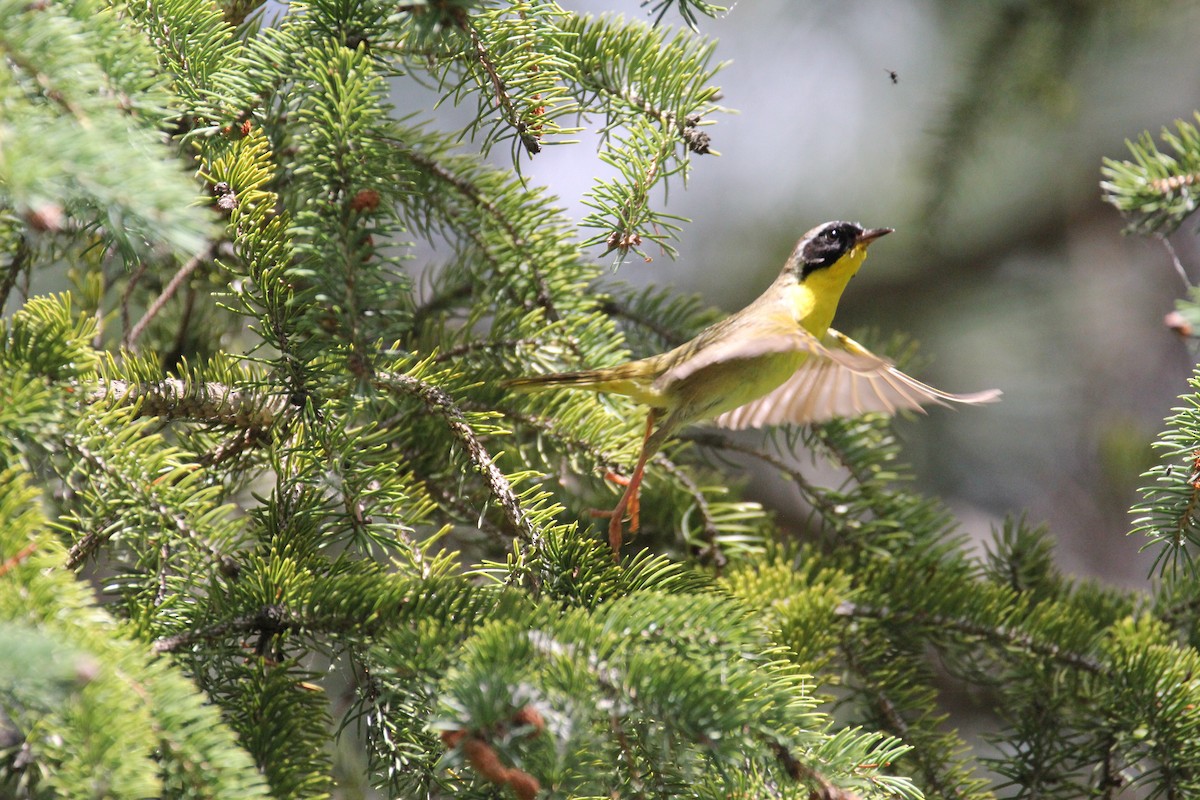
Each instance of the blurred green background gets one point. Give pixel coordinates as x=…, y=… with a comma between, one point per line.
x=1007, y=266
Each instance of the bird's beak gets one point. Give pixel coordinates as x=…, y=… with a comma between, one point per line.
x=872, y=234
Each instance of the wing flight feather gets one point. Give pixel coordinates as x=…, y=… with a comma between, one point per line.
x=841, y=378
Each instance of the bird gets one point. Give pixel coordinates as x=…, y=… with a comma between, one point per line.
x=777, y=361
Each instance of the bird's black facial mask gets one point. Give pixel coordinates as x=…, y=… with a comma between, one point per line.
x=826, y=246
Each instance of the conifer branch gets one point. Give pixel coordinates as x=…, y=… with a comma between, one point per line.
x=1154, y=189
x=1002, y=636
x=1174, y=183
x=45, y=82
x=323, y=469
x=208, y=402
x=685, y=127
x=175, y=519
x=602, y=459
x=608, y=462
x=466, y=348
x=475, y=197
x=442, y=301
x=453, y=500
x=272, y=620
x=857, y=471
x=799, y=771
x=935, y=779
x=613, y=308
x=499, y=90
x=438, y=402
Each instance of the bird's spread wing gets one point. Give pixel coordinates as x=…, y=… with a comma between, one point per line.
x=734, y=349
x=842, y=379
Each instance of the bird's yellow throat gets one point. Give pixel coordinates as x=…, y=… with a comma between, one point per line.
x=814, y=297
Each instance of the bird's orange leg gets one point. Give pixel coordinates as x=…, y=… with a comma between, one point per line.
x=629, y=499
x=634, y=501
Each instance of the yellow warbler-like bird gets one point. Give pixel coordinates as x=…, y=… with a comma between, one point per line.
x=776, y=361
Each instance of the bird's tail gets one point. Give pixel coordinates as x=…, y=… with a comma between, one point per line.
x=584, y=379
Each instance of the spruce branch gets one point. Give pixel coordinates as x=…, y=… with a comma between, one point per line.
x=836, y=446
x=687, y=9
x=657, y=95
x=666, y=81
x=476, y=198
x=1001, y=636
x=468, y=348
x=937, y=778
x=500, y=93
x=442, y=301
x=269, y=621
x=816, y=497
x=685, y=127
x=438, y=402
x=1167, y=514
x=87, y=115
x=651, y=679
x=824, y=789
x=174, y=519
x=606, y=461
x=615, y=308
x=50, y=88
x=1174, y=183
x=611, y=463
x=457, y=502
x=206, y=402
x=1156, y=188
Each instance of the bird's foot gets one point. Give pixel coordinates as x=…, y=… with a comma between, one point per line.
x=616, y=518
x=616, y=528
x=631, y=500
x=616, y=535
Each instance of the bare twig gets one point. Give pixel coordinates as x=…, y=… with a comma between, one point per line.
x=708, y=438
x=269, y=619
x=20, y=261
x=131, y=283
x=168, y=292
x=1175, y=261
x=712, y=553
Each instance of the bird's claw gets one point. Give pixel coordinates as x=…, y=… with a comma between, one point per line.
x=632, y=503
x=629, y=503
